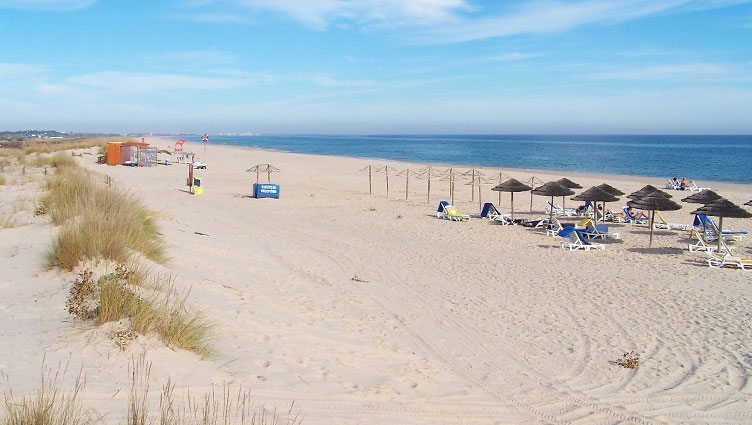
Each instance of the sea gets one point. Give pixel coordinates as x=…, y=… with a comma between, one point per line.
x=701, y=158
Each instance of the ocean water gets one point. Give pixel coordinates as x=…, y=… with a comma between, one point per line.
x=717, y=158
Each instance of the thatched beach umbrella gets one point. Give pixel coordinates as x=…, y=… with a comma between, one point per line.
x=479, y=181
x=428, y=173
x=610, y=189
x=370, y=169
x=552, y=189
x=654, y=202
x=703, y=197
x=647, y=190
x=596, y=194
x=386, y=169
x=263, y=168
x=472, y=174
x=406, y=172
x=570, y=184
x=722, y=208
x=511, y=186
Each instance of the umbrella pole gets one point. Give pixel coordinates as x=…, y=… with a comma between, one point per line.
x=407, y=183
x=551, y=215
x=720, y=234
x=564, y=204
x=428, y=201
x=472, y=191
x=512, y=202
x=387, y=183
x=652, y=219
x=370, y=186
x=499, y=199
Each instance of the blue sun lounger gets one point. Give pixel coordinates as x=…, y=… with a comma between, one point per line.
x=576, y=240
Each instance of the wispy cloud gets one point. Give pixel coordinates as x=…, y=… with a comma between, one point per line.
x=683, y=73
x=326, y=81
x=152, y=82
x=19, y=70
x=46, y=5
x=202, y=57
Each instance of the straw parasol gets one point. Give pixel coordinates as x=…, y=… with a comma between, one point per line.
x=552, y=189
x=722, y=208
x=654, y=202
x=610, y=189
x=596, y=194
x=427, y=173
x=263, y=168
x=479, y=181
x=511, y=186
x=646, y=190
x=570, y=184
x=703, y=197
x=472, y=174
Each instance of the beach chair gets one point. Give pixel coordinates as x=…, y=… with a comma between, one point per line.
x=673, y=185
x=575, y=240
x=718, y=260
x=692, y=186
x=490, y=212
x=554, y=227
x=453, y=214
x=710, y=229
x=592, y=231
x=441, y=211
x=661, y=223
x=708, y=243
x=558, y=210
x=631, y=218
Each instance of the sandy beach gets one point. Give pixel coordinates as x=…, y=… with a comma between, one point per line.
x=367, y=309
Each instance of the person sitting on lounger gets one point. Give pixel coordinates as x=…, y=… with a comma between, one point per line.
x=582, y=209
x=637, y=215
x=683, y=184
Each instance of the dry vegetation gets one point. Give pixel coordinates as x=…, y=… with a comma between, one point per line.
x=49, y=406
x=98, y=222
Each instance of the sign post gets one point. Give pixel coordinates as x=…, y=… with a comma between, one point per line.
x=205, y=140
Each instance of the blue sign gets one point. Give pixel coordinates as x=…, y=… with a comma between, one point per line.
x=265, y=190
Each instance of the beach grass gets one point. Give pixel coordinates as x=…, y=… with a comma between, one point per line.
x=98, y=222
x=48, y=146
x=48, y=406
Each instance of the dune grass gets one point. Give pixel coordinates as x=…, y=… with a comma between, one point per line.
x=48, y=406
x=99, y=222
x=49, y=146
x=160, y=312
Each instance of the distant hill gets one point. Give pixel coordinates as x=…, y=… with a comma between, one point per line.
x=44, y=134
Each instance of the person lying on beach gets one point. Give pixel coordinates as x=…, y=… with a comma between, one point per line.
x=636, y=214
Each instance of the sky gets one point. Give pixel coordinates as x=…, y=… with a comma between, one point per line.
x=377, y=66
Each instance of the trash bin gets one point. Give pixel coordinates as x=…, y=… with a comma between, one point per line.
x=197, y=188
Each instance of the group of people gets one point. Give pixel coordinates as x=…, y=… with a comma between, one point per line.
x=583, y=209
x=680, y=184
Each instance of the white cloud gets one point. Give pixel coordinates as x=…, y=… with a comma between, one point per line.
x=320, y=13
x=46, y=5
x=19, y=70
x=326, y=81
x=681, y=72
x=151, y=82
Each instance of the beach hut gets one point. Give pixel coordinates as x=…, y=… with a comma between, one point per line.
x=119, y=153
x=653, y=202
x=511, y=186
x=722, y=208
x=552, y=189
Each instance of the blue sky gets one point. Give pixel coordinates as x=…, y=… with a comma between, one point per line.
x=377, y=66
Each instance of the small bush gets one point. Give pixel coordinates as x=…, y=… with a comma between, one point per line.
x=629, y=360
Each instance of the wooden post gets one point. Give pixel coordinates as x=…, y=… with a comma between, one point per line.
x=268, y=173
x=652, y=219
x=257, y=174
x=407, y=182
x=370, y=185
x=428, y=200
x=386, y=172
x=480, y=206
x=472, y=191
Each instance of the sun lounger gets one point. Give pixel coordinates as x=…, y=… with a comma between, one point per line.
x=695, y=188
x=661, y=223
x=576, y=240
x=554, y=227
x=708, y=243
x=441, y=211
x=558, y=210
x=490, y=212
x=631, y=218
x=708, y=226
x=592, y=231
x=727, y=260
x=673, y=185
